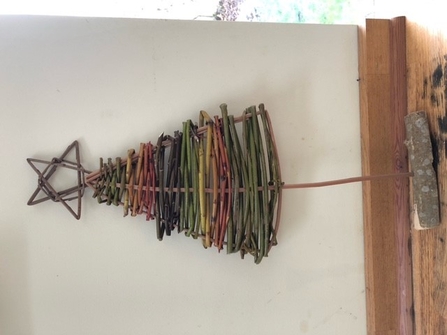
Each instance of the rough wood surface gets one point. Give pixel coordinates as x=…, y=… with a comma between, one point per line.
x=386, y=213
x=427, y=79
x=425, y=189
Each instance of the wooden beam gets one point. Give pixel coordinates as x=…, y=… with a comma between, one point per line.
x=427, y=89
x=383, y=104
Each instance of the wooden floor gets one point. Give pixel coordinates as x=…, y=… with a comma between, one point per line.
x=403, y=69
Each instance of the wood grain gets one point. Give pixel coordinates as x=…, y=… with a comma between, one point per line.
x=383, y=105
x=427, y=67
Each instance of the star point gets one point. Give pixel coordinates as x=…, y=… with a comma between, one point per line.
x=50, y=193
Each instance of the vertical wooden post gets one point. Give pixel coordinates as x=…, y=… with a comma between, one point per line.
x=427, y=90
x=383, y=105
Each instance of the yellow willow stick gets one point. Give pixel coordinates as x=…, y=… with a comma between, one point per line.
x=202, y=201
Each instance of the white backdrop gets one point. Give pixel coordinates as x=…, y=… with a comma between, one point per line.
x=113, y=83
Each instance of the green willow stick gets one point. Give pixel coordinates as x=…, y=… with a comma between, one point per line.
x=202, y=196
x=201, y=181
x=254, y=170
x=249, y=188
x=236, y=215
x=276, y=175
x=123, y=183
x=190, y=211
x=223, y=184
x=208, y=197
x=265, y=227
x=195, y=185
x=216, y=163
x=272, y=165
x=273, y=171
x=241, y=167
x=228, y=152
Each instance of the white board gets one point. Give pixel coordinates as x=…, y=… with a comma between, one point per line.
x=113, y=83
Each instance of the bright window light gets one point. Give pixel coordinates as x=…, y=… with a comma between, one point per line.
x=293, y=11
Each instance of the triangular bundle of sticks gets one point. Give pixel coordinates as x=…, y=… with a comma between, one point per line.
x=218, y=180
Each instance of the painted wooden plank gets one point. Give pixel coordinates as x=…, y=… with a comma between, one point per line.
x=386, y=220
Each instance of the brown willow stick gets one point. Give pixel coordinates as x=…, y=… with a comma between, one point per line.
x=159, y=180
x=138, y=179
x=149, y=167
x=296, y=186
x=151, y=181
x=302, y=185
x=348, y=180
x=118, y=180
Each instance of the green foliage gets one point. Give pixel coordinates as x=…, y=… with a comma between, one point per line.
x=270, y=11
x=333, y=11
x=298, y=11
